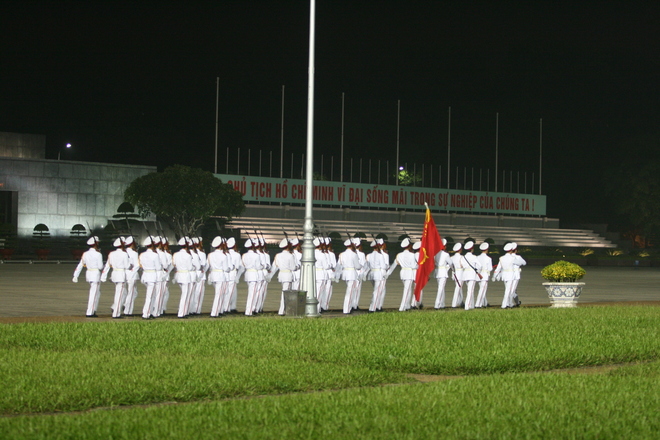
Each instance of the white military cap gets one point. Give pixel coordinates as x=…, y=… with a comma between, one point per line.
x=217, y=241
x=316, y=242
x=255, y=242
x=483, y=246
x=117, y=242
x=469, y=245
x=380, y=241
x=163, y=240
x=182, y=241
x=156, y=239
x=347, y=242
x=372, y=243
x=231, y=242
x=262, y=242
x=514, y=246
x=508, y=247
x=195, y=240
x=357, y=241
x=417, y=245
x=405, y=243
x=444, y=242
x=91, y=241
x=147, y=241
x=295, y=242
x=457, y=247
x=284, y=243
x=200, y=239
x=327, y=240
x=248, y=243
x=129, y=240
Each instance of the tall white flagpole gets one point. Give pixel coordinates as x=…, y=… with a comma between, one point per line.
x=308, y=275
x=497, y=145
x=540, y=153
x=449, y=150
x=282, y=139
x=217, y=98
x=398, y=119
x=341, y=155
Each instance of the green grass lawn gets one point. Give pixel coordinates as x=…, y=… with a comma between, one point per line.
x=50, y=368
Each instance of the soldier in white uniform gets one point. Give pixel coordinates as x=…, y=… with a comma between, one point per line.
x=132, y=276
x=321, y=266
x=199, y=289
x=263, y=285
x=508, y=270
x=286, y=263
x=486, y=267
x=350, y=265
x=408, y=263
x=92, y=260
x=471, y=275
x=443, y=263
x=185, y=274
x=378, y=262
x=414, y=304
x=220, y=265
x=159, y=289
x=253, y=271
x=151, y=268
x=120, y=264
x=166, y=259
x=361, y=273
x=234, y=276
x=457, y=273
x=295, y=243
x=331, y=258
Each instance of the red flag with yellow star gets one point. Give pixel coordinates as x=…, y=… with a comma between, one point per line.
x=431, y=245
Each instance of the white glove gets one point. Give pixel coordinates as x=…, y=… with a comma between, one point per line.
x=75, y=279
x=103, y=280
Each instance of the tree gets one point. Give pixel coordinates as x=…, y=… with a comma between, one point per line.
x=185, y=197
x=634, y=185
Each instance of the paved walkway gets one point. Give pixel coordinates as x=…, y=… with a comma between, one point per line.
x=44, y=290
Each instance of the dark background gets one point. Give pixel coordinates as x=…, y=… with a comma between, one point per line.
x=135, y=83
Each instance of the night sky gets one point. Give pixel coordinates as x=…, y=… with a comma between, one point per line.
x=135, y=82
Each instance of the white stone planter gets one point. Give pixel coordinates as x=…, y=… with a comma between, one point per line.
x=563, y=294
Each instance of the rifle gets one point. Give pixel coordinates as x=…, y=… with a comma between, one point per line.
x=91, y=233
x=473, y=268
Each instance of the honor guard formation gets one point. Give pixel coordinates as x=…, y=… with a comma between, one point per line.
x=223, y=267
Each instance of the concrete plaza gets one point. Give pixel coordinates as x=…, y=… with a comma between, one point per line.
x=44, y=291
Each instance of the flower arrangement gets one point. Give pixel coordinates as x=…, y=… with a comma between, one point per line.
x=563, y=272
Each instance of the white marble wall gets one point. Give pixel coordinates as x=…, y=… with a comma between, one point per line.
x=61, y=194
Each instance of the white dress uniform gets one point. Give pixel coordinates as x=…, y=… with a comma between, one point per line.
x=471, y=274
x=263, y=284
x=200, y=286
x=331, y=271
x=361, y=275
x=286, y=263
x=195, y=279
x=167, y=268
x=321, y=266
x=234, y=275
x=350, y=265
x=378, y=262
x=486, y=268
x=443, y=263
x=220, y=265
x=159, y=290
x=508, y=270
x=457, y=274
x=92, y=260
x=151, y=268
x=253, y=273
x=296, y=273
x=408, y=263
x=185, y=274
x=119, y=262
x=131, y=281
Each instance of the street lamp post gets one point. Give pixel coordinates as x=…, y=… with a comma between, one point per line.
x=59, y=153
x=308, y=276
